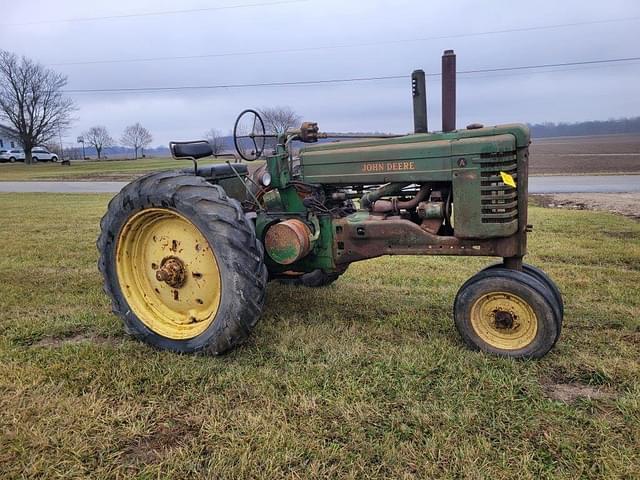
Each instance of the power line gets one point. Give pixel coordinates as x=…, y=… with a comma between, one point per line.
x=152, y=14
x=345, y=80
x=547, y=65
x=236, y=85
x=345, y=45
x=550, y=70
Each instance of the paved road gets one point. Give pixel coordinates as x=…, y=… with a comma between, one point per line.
x=585, y=184
x=544, y=184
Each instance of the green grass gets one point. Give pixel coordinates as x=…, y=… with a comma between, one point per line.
x=89, y=170
x=364, y=379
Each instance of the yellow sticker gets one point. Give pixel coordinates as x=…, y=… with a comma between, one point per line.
x=508, y=179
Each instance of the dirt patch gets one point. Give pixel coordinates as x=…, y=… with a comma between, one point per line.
x=570, y=392
x=150, y=448
x=74, y=340
x=632, y=338
x=627, y=204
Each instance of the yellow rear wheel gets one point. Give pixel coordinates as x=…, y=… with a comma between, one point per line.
x=168, y=273
x=181, y=264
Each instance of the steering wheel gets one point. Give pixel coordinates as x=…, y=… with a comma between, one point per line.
x=249, y=135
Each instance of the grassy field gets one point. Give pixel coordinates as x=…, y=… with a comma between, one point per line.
x=364, y=379
x=89, y=170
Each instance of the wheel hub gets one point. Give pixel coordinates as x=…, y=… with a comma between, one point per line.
x=503, y=320
x=172, y=272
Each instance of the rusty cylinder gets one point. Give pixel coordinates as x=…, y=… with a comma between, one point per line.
x=448, y=91
x=288, y=241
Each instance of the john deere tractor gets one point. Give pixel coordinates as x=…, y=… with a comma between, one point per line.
x=186, y=255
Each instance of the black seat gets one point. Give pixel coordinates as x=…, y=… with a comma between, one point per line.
x=220, y=170
x=196, y=149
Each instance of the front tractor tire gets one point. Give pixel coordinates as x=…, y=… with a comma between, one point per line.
x=508, y=313
x=181, y=264
x=543, y=278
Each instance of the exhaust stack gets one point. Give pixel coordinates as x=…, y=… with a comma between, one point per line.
x=448, y=91
x=419, y=93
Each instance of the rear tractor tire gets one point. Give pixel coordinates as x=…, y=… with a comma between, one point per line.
x=181, y=264
x=508, y=313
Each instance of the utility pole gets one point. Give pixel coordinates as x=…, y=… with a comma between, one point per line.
x=81, y=140
x=61, y=147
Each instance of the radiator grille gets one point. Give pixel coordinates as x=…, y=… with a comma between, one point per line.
x=499, y=201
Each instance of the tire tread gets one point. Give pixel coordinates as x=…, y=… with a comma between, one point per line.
x=218, y=216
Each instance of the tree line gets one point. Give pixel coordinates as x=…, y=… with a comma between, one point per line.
x=135, y=136
x=593, y=127
x=33, y=104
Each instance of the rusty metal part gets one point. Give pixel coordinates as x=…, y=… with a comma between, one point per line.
x=309, y=132
x=172, y=272
x=514, y=262
x=287, y=242
x=448, y=91
x=431, y=210
x=388, y=189
x=431, y=225
x=372, y=237
x=384, y=206
x=432, y=214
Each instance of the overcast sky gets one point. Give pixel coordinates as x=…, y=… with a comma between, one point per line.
x=571, y=95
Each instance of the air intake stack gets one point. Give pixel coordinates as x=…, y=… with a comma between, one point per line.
x=448, y=91
x=419, y=93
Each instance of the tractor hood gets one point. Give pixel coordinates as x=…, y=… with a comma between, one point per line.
x=407, y=158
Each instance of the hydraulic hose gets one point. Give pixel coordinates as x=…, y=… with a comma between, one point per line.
x=385, y=206
x=367, y=200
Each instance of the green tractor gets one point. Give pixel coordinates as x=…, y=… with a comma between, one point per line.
x=186, y=255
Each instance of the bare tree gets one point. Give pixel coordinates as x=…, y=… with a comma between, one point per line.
x=98, y=137
x=136, y=137
x=279, y=119
x=216, y=140
x=31, y=101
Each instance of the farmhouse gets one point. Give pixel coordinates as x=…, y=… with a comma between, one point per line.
x=7, y=140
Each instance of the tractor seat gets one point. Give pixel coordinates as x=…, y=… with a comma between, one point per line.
x=220, y=170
